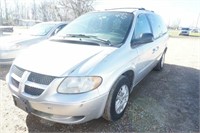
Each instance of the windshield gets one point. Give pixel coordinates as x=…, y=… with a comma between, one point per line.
x=112, y=27
x=40, y=29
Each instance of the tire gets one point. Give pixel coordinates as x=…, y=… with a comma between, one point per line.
x=118, y=97
x=160, y=64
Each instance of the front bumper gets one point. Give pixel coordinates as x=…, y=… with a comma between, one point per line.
x=68, y=113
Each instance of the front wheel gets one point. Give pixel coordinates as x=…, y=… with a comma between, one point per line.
x=117, y=100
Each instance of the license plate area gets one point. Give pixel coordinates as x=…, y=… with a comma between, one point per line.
x=22, y=104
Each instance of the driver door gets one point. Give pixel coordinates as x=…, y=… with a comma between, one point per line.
x=145, y=58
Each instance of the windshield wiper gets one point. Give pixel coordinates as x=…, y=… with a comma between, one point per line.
x=107, y=42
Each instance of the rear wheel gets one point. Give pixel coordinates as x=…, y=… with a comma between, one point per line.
x=160, y=64
x=117, y=100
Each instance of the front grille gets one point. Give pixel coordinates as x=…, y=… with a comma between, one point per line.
x=33, y=91
x=17, y=71
x=15, y=82
x=40, y=78
x=34, y=79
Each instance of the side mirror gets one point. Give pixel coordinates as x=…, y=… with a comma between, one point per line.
x=55, y=32
x=145, y=38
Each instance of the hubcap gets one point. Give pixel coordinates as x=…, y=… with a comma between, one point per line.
x=121, y=99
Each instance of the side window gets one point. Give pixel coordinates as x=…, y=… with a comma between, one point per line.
x=141, y=26
x=158, y=25
x=163, y=26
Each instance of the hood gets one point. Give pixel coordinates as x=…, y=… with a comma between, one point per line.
x=60, y=59
x=9, y=41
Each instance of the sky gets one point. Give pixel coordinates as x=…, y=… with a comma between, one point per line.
x=172, y=11
x=185, y=11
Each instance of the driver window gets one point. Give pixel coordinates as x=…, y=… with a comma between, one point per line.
x=141, y=26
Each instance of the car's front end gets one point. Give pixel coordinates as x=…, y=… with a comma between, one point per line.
x=185, y=32
x=62, y=91
x=43, y=95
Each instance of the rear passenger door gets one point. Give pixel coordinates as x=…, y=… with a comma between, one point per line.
x=145, y=58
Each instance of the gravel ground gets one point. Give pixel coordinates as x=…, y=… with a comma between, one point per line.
x=166, y=101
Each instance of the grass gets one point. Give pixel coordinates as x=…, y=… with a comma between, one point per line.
x=195, y=34
x=175, y=33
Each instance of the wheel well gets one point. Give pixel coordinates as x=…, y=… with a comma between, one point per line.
x=130, y=75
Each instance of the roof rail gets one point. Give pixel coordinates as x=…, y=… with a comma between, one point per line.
x=126, y=8
x=129, y=8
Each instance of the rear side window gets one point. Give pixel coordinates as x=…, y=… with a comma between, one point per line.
x=158, y=26
x=141, y=26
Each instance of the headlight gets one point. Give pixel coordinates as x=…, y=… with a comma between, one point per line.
x=79, y=84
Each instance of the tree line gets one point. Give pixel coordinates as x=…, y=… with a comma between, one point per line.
x=12, y=11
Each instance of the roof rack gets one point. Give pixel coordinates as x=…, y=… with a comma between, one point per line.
x=129, y=8
x=126, y=8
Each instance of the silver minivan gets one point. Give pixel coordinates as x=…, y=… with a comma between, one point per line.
x=89, y=69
